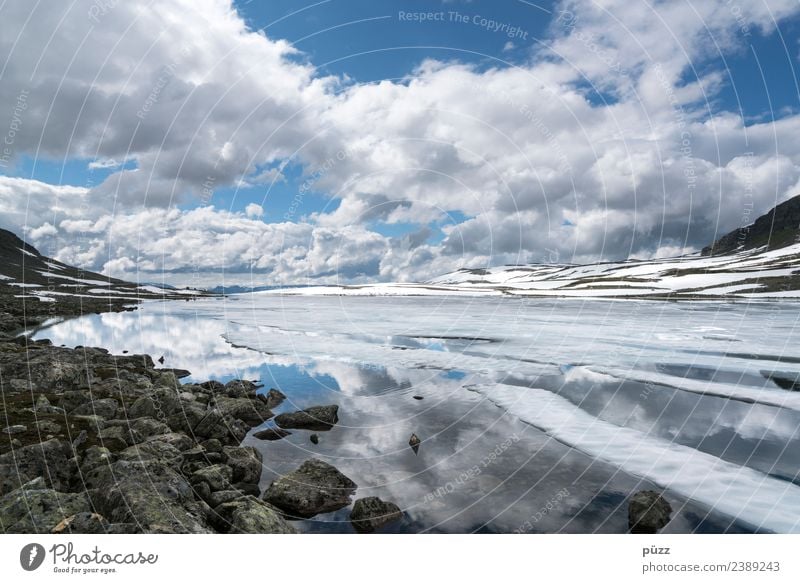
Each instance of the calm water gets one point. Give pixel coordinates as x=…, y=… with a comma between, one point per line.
x=540, y=415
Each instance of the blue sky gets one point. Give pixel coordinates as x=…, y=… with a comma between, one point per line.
x=557, y=89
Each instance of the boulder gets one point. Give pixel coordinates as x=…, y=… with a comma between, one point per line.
x=249, y=515
x=240, y=389
x=648, y=512
x=271, y=434
x=320, y=418
x=314, y=488
x=148, y=493
x=53, y=460
x=273, y=398
x=246, y=463
x=34, y=508
x=105, y=408
x=370, y=514
x=218, y=477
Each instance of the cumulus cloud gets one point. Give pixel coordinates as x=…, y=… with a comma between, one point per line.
x=607, y=142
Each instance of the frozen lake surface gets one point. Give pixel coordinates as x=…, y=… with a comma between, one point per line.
x=537, y=415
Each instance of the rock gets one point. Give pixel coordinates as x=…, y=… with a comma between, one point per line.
x=648, y=512
x=213, y=386
x=212, y=445
x=249, y=515
x=33, y=508
x=246, y=463
x=80, y=440
x=223, y=496
x=414, y=442
x=314, y=418
x=218, y=477
x=105, y=408
x=156, y=451
x=179, y=441
x=273, y=398
x=150, y=494
x=272, y=434
x=146, y=427
x=159, y=404
x=47, y=426
x=251, y=411
x=52, y=459
x=115, y=438
x=314, y=438
x=418, y=397
x=71, y=400
x=215, y=425
x=314, y=488
x=44, y=407
x=161, y=359
x=15, y=429
x=240, y=389
x=96, y=456
x=370, y=514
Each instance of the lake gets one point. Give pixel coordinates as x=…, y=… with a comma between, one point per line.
x=536, y=415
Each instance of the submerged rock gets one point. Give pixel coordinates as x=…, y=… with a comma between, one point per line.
x=314, y=488
x=648, y=512
x=321, y=418
x=370, y=514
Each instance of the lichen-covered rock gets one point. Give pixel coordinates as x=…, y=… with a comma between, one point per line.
x=218, y=477
x=314, y=488
x=33, y=508
x=246, y=463
x=249, y=515
x=105, y=408
x=53, y=460
x=150, y=494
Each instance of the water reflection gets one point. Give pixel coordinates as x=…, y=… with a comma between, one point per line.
x=479, y=468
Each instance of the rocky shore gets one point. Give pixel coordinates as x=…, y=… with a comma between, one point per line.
x=92, y=442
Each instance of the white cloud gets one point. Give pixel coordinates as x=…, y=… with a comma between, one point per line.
x=528, y=153
x=254, y=210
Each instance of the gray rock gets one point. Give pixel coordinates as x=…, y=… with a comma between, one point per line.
x=15, y=429
x=314, y=488
x=648, y=512
x=249, y=515
x=34, y=509
x=48, y=426
x=370, y=514
x=246, y=463
x=223, y=496
x=43, y=406
x=241, y=389
x=218, y=477
x=314, y=438
x=96, y=456
x=52, y=459
x=150, y=494
x=179, y=441
x=321, y=418
x=105, y=408
x=251, y=411
x=271, y=434
x=116, y=438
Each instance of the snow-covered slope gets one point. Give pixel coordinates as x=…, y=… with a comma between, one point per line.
x=747, y=274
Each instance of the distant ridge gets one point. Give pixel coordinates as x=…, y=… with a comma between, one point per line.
x=778, y=228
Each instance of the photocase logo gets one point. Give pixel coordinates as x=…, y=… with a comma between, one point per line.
x=31, y=556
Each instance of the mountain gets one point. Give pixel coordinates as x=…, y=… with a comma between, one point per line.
x=779, y=228
x=34, y=288
x=761, y=261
